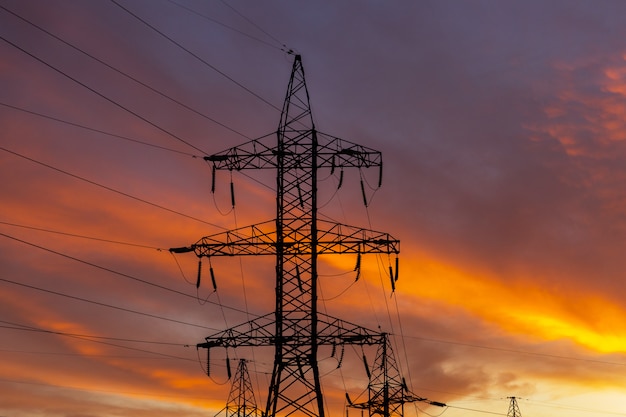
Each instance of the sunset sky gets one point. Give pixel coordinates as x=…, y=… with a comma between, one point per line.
x=502, y=126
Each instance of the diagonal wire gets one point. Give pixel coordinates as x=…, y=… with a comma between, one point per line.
x=182, y=6
x=108, y=188
x=195, y=55
x=154, y=90
x=103, y=268
x=110, y=100
x=32, y=287
x=40, y=229
x=94, y=339
x=56, y=119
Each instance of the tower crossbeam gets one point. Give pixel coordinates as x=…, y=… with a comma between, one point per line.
x=333, y=152
x=260, y=332
x=260, y=239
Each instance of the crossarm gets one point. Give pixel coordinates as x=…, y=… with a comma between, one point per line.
x=260, y=239
x=254, y=154
x=333, y=152
x=261, y=332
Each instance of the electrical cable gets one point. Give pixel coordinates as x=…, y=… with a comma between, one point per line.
x=154, y=90
x=403, y=339
x=283, y=47
x=194, y=55
x=110, y=100
x=547, y=355
x=182, y=6
x=18, y=326
x=569, y=407
x=477, y=411
x=121, y=274
x=57, y=119
x=96, y=339
x=142, y=394
x=39, y=229
x=108, y=188
x=80, y=355
x=33, y=287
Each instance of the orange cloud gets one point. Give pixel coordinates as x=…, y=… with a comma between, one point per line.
x=523, y=306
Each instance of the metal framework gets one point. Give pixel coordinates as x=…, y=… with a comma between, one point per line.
x=241, y=401
x=387, y=390
x=514, y=410
x=296, y=237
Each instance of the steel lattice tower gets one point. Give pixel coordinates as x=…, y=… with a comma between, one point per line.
x=387, y=390
x=513, y=408
x=241, y=401
x=296, y=237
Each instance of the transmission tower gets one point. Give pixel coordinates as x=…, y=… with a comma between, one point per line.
x=241, y=401
x=513, y=408
x=387, y=390
x=296, y=329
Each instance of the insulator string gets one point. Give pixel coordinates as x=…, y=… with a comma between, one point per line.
x=199, y=273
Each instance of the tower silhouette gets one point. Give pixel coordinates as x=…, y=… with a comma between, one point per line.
x=513, y=408
x=296, y=329
x=387, y=390
x=241, y=401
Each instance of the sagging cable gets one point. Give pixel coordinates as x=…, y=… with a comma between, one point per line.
x=208, y=362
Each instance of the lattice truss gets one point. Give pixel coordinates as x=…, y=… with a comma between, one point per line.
x=241, y=400
x=387, y=391
x=296, y=237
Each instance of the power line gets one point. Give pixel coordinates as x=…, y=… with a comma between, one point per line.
x=140, y=142
x=195, y=55
x=281, y=48
x=570, y=407
x=108, y=188
x=19, y=326
x=477, y=411
x=81, y=236
x=56, y=119
x=121, y=274
x=125, y=74
x=97, y=339
x=90, y=355
x=110, y=100
x=32, y=287
x=143, y=394
x=516, y=351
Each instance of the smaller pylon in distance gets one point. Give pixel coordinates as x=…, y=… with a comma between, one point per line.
x=513, y=408
x=241, y=401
